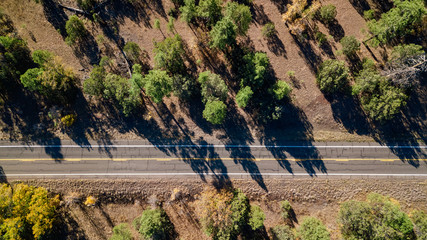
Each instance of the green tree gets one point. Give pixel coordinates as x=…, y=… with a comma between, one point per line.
x=241, y=16
x=171, y=25
x=282, y=232
x=377, y=218
x=121, y=91
x=286, y=209
x=213, y=87
x=94, y=85
x=133, y=51
x=86, y=5
x=404, y=18
x=157, y=84
x=268, y=30
x=42, y=57
x=401, y=53
x=312, y=228
x=168, y=55
x=183, y=86
x=327, y=13
x=157, y=24
x=243, y=96
x=215, y=112
x=419, y=218
x=332, y=76
x=76, y=30
x=154, y=224
x=210, y=10
x=254, y=70
x=350, y=45
x=223, y=34
x=281, y=90
x=188, y=11
x=121, y=232
x=257, y=217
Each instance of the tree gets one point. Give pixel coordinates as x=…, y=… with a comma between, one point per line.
x=377, y=218
x=350, y=45
x=154, y=224
x=183, y=86
x=213, y=87
x=402, y=53
x=332, y=76
x=76, y=30
x=282, y=232
x=286, y=209
x=398, y=21
x=241, y=16
x=257, y=217
x=188, y=11
x=171, y=25
x=419, y=218
x=94, y=85
x=281, y=90
x=121, y=232
x=133, y=51
x=168, y=55
x=243, y=96
x=312, y=228
x=268, y=30
x=157, y=84
x=210, y=10
x=157, y=24
x=223, y=34
x=121, y=91
x=86, y=5
x=215, y=111
x=327, y=13
x=254, y=70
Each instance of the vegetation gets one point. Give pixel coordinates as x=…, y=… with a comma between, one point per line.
x=188, y=11
x=419, y=218
x=286, y=209
x=399, y=21
x=168, y=54
x=282, y=232
x=369, y=14
x=241, y=16
x=212, y=87
x=321, y=38
x=76, y=30
x=269, y=30
x=183, y=86
x=133, y=51
x=332, y=76
x=157, y=84
x=68, y=120
x=121, y=232
x=327, y=13
x=223, y=34
x=243, y=96
x=350, y=45
x=215, y=111
x=281, y=90
x=312, y=228
x=26, y=212
x=210, y=11
x=257, y=217
x=401, y=53
x=255, y=69
x=378, y=218
x=154, y=224
x=157, y=23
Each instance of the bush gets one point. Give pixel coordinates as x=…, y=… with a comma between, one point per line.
x=350, y=45
x=76, y=30
x=213, y=87
x=281, y=90
x=41, y=57
x=243, y=96
x=332, y=76
x=157, y=84
x=419, y=218
x=223, y=34
x=168, y=55
x=133, y=51
x=254, y=70
x=157, y=24
x=188, y=11
x=312, y=228
x=241, y=16
x=121, y=232
x=268, y=30
x=171, y=24
x=215, y=112
x=282, y=232
x=321, y=38
x=154, y=224
x=90, y=201
x=257, y=217
x=327, y=13
x=68, y=120
x=210, y=10
x=369, y=14
x=286, y=209
x=398, y=21
x=378, y=218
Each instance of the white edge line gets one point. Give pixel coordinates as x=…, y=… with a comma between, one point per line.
x=207, y=146
x=213, y=174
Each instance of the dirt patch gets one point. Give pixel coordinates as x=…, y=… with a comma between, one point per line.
x=123, y=200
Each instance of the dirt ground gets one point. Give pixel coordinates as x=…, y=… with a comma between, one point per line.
x=122, y=200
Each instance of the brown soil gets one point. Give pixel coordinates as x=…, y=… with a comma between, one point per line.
x=123, y=200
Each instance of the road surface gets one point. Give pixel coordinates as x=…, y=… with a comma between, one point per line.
x=143, y=159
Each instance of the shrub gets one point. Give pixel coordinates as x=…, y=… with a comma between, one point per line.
x=241, y=16
x=401, y=53
x=210, y=10
x=154, y=224
x=291, y=74
x=281, y=90
x=312, y=228
x=369, y=14
x=223, y=34
x=254, y=70
x=213, y=87
x=321, y=38
x=41, y=57
x=332, y=76
x=168, y=54
x=282, y=232
x=257, y=217
x=398, y=21
x=243, y=96
x=286, y=209
x=157, y=24
x=76, y=30
x=121, y=232
x=133, y=51
x=268, y=30
x=327, y=13
x=215, y=112
x=171, y=25
x=90, y=201
x=378, y=218
x=350, y=45
x=68, y=120
x=157, y=84
x=419, y=218
x=188, y=11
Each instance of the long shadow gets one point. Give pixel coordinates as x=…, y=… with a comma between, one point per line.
x=276, y=46
x=87, y=48
x=66, y=226
x=55, y=15
x=336, y=30
x=308, y=53
x=360, y=6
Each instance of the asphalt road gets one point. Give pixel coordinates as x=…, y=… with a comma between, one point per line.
x=140, y=158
